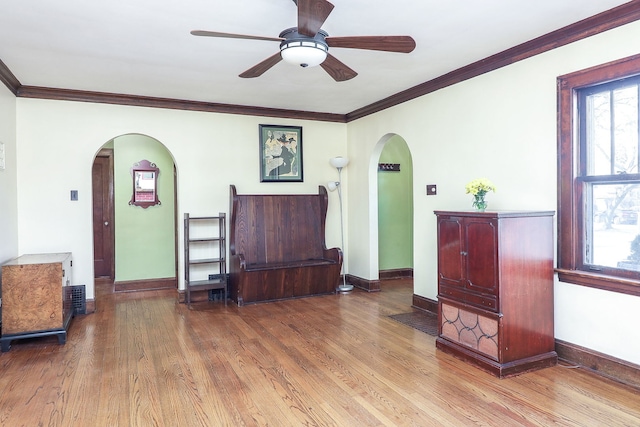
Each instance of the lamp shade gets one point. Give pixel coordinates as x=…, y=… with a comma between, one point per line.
x=303, y=53
x=332, y=185
x=339, y=162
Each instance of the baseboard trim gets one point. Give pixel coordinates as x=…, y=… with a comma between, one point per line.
x=396, y=273
x=145, y=285
x=90, y=305
x=599, y=363
x=364, y=284
x=374, y=285
x=425, y=304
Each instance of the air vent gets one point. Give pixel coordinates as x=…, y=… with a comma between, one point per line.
x=79, y=299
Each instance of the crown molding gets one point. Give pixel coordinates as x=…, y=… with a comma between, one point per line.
x=612, y=18
x=9, y=80
x=175, y=104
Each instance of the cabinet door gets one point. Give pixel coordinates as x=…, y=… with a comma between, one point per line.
x=450, y=252
x=482, y=255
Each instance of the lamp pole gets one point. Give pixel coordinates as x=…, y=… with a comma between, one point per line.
x=344, y=287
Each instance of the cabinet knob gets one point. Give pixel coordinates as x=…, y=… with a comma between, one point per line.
x=463, y=253
x=106, y=223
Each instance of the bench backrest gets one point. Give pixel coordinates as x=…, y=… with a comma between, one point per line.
x=278, y=228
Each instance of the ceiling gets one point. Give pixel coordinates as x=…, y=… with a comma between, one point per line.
x=144, y=47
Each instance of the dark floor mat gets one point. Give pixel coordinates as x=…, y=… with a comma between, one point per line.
x=424, y=321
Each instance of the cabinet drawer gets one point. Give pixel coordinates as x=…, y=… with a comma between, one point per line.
x=487, y=302
x=483, y=301
x=453, y=293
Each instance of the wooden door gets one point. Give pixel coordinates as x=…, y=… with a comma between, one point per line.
x=103, y=230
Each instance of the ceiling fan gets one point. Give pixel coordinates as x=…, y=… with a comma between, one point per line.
x=308, y=45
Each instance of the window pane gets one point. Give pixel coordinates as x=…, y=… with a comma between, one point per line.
x=626, y=130
x=598, y=133
x=599, y=177
x=613, y=225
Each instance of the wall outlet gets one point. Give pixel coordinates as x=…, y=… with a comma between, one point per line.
x=432, y=190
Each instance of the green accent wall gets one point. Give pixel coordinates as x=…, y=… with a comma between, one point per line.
x=395, y=208
x=145, y=238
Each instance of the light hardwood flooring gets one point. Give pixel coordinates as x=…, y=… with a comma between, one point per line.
x=144, y=360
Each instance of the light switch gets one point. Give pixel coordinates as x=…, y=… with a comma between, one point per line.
x=431, y=190
x=74, y=195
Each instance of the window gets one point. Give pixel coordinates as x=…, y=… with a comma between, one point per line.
x=599, y=177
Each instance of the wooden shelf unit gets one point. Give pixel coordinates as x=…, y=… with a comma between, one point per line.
x=208, y=250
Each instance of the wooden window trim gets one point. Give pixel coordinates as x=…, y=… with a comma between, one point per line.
x=570, y=200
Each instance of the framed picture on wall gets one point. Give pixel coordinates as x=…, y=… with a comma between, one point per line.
x=280, y=153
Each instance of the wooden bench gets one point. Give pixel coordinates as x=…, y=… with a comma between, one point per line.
x=277, y=247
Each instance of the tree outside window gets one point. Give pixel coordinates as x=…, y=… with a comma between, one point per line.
x=608, y=134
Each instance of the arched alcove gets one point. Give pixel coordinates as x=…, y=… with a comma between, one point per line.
x=395, y=209
x=400, y=210
x=144, y=238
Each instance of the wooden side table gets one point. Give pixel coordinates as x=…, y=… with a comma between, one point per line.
x=36, y=297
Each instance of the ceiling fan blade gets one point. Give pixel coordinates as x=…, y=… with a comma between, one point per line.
x=337, y=70
x=233, y=36
x=401, y=44
x=311, y=15
x=259, y=69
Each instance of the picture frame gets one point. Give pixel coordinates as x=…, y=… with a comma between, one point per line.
x=280, y=153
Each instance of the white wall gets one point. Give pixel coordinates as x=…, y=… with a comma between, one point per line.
x=8, y=188
x=501, y=125
x=58, y=141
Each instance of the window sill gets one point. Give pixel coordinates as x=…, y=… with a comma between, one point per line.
x=599, y=281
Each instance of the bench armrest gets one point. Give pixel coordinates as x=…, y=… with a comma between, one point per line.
x=334, y=254
x=237, y=262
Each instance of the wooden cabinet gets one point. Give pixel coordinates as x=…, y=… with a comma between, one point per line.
x=205, y=254
x=495, y=289
x=36, y=297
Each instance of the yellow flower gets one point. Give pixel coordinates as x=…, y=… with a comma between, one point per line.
x=480, y=186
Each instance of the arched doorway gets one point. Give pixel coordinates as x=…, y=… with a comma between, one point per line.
x=395, y=208
x=142, y=239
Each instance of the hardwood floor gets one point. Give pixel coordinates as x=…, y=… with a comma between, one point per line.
x=144, y=360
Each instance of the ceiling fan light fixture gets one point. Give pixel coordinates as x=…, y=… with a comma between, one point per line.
x=305, y=53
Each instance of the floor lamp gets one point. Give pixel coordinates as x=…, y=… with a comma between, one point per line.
x=339, y=163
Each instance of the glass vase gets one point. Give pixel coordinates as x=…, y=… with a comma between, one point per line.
x=479, y=203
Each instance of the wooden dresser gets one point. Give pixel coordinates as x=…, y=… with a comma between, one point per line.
x=495, y=289
x=36, y=297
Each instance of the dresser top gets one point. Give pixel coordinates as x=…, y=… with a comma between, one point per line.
x=39, y=259
x=495, y=214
